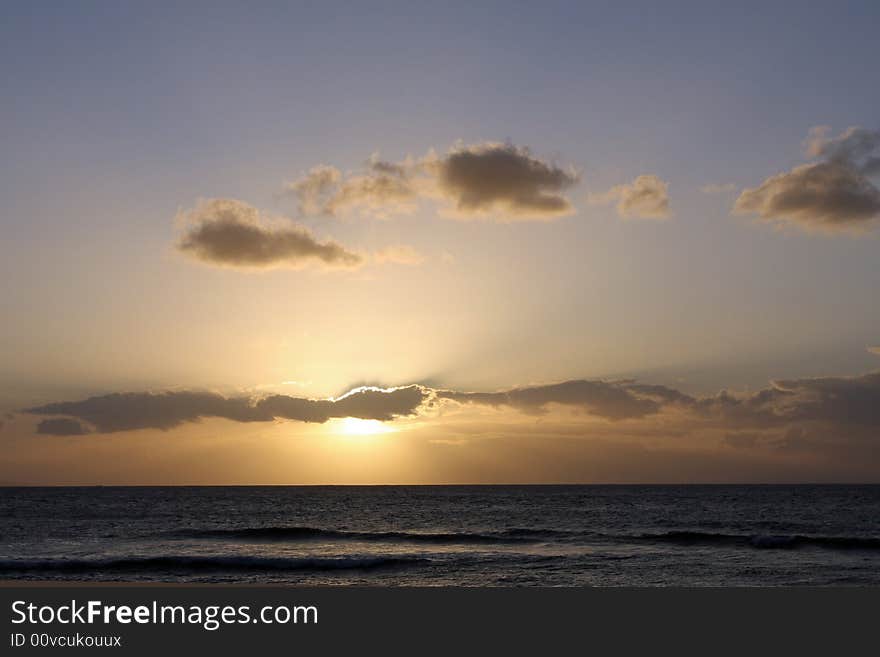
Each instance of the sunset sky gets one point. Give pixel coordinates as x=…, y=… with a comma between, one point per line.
x=439, y=243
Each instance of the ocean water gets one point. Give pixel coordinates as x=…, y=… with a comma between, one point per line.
x=446, y=535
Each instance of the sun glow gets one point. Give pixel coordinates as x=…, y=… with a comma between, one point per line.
x=352, y=426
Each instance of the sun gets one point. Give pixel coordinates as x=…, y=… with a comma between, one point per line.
x=353, y=426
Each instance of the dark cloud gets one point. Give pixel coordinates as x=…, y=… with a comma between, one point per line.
x=165, y=410
x=230, y=233
x=822, y=409
x=505, y=179
x=838, y=404
x=365, y=403
x=612, y=400
x=836, y=401
x=825, y=196
x=61, y=427
x=646, y=197
x=833, y=194
x=498, y=181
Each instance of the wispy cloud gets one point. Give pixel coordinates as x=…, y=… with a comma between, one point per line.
x=646, y=197
x=398, y=254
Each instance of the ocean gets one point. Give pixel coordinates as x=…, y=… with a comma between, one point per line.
x=693, y=535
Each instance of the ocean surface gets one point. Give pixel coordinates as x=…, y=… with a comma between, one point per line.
x=446, y=535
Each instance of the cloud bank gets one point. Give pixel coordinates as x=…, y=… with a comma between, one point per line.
x=809, y=415
x=834, y=194
x=165, y=410
x=230, y=233
x=835, y=401
x=488, y=180
x=646, y=197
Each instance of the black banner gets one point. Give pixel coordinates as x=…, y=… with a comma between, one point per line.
x=142, y=620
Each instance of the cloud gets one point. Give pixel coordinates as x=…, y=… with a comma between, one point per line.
x=503, y=179
x=718, y=188
x=61, y=427
x=847, y=401
x=313, y=188
x=855, y=145
x=815, y=415
x=835, y=401
x=503, y=182
x=398, y=254
x=382, y=192
x=612, y=400
x=832, y=195
x=166, y=410
x=384, y=189
x=828, y=196
x=646, y=197
x=230, y=233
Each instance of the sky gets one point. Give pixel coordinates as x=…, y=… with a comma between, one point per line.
x=321, y=243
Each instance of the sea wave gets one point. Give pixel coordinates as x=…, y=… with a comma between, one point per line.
x=293, y=534
x=764, y=541
x=521, y=535
x=208, y=563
